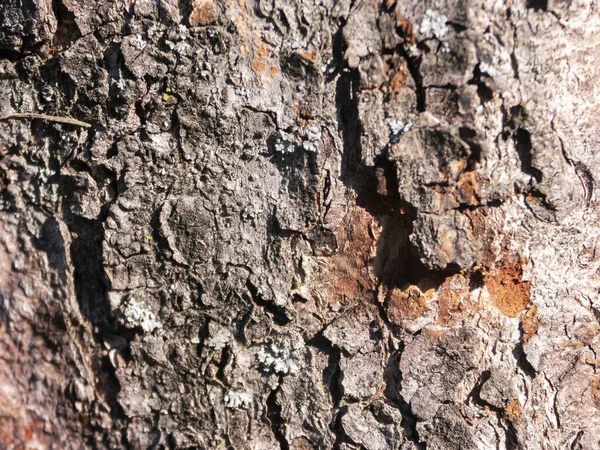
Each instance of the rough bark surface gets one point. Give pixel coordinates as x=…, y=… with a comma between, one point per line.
x=310, y=224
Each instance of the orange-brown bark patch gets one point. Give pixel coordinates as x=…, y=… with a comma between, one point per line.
x=308, y=56
x=397, y=81
x=433, y=334
x=595, y=391
x=262, y=52
x=406, y=27
x=406, y=304
x=513, y=410
x=302, y=444
x=346, y=276
x=448, y=302
x=467, y=188
x=381, y=181
x=304, y=112
x=529, y=324
x=453, y=299
x=483, y=235
x=203, y=12
x=510, y=293
x=258, y=65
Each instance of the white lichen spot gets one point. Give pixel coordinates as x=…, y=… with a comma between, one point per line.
x=434, y=24
x=312, y=138
x=309, y=147
x=313, y=133
x=183, y=32
x=181, y=47
x=220, y=340
x=397, y=128
x=238, y=399
x=487, y=68
x=138, y=42
x=282, y=356
x=284, y=143
x=121, y=84
x=413, y=51
x=250, y=213
x=329, y=66
x=137, y=315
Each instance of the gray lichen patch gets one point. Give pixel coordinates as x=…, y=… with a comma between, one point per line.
x=136, y=314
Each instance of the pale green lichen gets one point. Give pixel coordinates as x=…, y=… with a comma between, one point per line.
x=220, y=339
x=282, y=356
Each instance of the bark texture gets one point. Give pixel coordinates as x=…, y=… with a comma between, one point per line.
x=309, y=224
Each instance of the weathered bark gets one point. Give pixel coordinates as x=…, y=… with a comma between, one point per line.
x=299, y=225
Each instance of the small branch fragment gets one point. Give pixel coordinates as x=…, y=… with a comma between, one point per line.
x=67, y=120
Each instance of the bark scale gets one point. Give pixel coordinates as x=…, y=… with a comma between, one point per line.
x=299, y=225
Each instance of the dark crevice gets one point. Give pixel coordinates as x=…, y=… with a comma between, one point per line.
x=377, y=189
x=521, y=358
x=338, y=429
x=86, y=254
x=409, y=426
x=90, y=282
x=10, y=55
x=513, y=57
x=476, y=280
x=512, y=441
x=475, y=394
x=468, y=207
x=457, y=27
x=447, y=86
x=332, y=373
x=279, y=313
x=515, y=127
x=271, y=115
x=349, y=122
x=67, y=30
x=575, y=445
x=332, y=378
x=413, y=65
x=276, y=422
x=469, y=136
x=336, y=63
x=393, y=387
x=397, y=260
x=223, y=363
x=539, y=207
x=524, y=149
x=485, y=93
x=537, y=5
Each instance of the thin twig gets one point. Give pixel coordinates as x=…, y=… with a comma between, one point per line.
x=59, y=119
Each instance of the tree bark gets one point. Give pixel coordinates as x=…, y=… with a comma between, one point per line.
x=324, y=224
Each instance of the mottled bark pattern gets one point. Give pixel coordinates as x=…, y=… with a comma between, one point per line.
x=320, y=224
